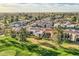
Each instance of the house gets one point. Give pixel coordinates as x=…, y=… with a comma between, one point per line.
x=48, y=32
x=71, y=34
x=19, y=23
x=71, y=24
x=44, y=23
x=16, y=26
x=35, y=31
x=65, y=24
x=40, y=32
x=56, y=24
x=2, y=27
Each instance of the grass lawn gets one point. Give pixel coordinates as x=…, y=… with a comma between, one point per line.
x=12, y=47
x=7, y=53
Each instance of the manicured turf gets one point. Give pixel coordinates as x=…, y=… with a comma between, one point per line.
x=12, y=47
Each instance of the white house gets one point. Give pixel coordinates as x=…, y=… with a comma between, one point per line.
x=73, y=34
x=40, y=32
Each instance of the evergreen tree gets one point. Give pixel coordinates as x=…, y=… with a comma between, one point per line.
x=13, y=34
x=17, y=18
x=60, y=33
x=12, y=19
x=22, y=34
x=74, y=19
x=5, y=20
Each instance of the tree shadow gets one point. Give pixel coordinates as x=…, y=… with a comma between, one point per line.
x=31, y=48
x=48, y=45
x=71, y=51
x=41, y=51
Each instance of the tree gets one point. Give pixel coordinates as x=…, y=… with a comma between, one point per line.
x=13, y=34
x=36, y=18
x=17, y=18
x=22, y=34
x=74, y=19
x=5, y=20
x=59, y=36
x=45, y=26
x=12, y=19
x=39, y=17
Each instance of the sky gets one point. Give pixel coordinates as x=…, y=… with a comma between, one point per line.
x=39, y=7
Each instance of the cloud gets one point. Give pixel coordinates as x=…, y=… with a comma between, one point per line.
x=40, y=7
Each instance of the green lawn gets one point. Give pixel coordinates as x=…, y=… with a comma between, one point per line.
x=12, y=47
